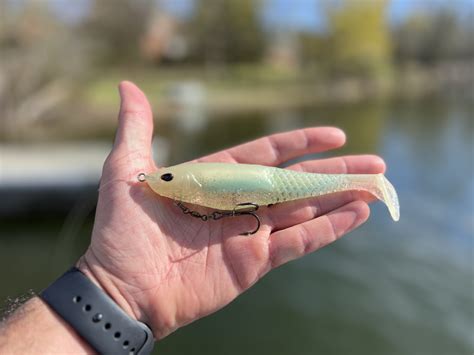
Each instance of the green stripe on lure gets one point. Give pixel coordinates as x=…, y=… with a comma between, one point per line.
x=224, y=186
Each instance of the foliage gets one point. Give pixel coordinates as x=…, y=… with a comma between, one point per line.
x=358, y=41
x=428, y=38
x=35, y=79
x=45, y=60
x=226, y=31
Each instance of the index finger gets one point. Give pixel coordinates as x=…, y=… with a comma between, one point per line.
x=278, y=148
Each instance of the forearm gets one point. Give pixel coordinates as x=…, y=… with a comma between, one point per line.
x=36, y=329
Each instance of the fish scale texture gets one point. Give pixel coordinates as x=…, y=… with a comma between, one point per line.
x=291, y=185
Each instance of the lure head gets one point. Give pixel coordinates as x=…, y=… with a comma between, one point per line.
x=172, y=182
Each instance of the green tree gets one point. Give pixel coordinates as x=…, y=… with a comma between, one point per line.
x=428, y=38
x=358, y=37
x=226, y=31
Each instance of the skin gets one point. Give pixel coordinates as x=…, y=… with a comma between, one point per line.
x=168, y=269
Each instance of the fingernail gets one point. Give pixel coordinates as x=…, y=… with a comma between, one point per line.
x=379, y=164
x=337, y=134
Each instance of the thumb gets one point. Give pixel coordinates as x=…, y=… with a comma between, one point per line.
x=135, y=123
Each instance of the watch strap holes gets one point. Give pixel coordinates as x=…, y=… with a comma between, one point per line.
x=97, y=317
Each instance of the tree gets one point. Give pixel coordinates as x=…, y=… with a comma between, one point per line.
x=358, y=38
x=41, y=63
x=432, y=37
x=226, y=31
x=115, y=27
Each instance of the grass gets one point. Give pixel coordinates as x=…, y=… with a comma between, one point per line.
x=236, y=88
x=227, y=90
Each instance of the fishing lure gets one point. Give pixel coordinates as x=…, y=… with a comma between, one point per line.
x=239, y=189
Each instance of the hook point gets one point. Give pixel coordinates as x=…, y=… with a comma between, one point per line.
x=257, y=218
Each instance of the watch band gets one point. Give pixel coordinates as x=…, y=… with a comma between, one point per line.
x=96, y=317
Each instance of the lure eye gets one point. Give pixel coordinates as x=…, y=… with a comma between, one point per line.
x=167, y=177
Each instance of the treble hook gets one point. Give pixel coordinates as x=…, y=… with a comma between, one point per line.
x=221, y=214
x=248, y=213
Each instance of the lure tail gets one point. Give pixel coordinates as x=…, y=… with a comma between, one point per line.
x=380, y=187
x=293, y=185
x=390, y=197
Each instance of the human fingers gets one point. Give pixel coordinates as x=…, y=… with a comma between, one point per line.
x=277, y=148
x=349, y=164
x=301, y=239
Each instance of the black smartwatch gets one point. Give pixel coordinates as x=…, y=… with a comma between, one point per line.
x=96, y=317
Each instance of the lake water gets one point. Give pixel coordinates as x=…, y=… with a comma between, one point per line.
x=387, y=288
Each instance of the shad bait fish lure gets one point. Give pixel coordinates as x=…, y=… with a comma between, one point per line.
x=239, y=189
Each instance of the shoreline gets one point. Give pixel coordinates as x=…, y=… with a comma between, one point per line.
x=92, y=113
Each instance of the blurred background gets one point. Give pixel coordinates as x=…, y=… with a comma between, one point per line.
x=396, y=75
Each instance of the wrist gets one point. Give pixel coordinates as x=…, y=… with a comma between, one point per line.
x=135, y=302
x=109, y=284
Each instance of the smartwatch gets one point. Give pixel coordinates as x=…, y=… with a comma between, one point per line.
x=96, y=317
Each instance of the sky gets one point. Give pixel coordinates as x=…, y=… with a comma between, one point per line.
x=279, y=14
x=307, y=14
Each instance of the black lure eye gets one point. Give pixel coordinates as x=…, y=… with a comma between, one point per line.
x=167, y=177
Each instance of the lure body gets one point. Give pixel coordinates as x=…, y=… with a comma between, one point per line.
x=223, y=186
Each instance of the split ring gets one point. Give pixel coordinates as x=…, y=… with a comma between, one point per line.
x=141, y=177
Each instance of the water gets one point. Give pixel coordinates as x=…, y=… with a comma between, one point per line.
x=388, y=288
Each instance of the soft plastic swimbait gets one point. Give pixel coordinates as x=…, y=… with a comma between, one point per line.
x=224, y=186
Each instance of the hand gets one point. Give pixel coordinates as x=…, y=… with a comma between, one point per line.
x=168, y=269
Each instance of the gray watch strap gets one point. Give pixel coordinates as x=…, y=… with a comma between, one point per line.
x=96, y=317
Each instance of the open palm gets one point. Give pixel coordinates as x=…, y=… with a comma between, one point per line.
x=166, y=268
